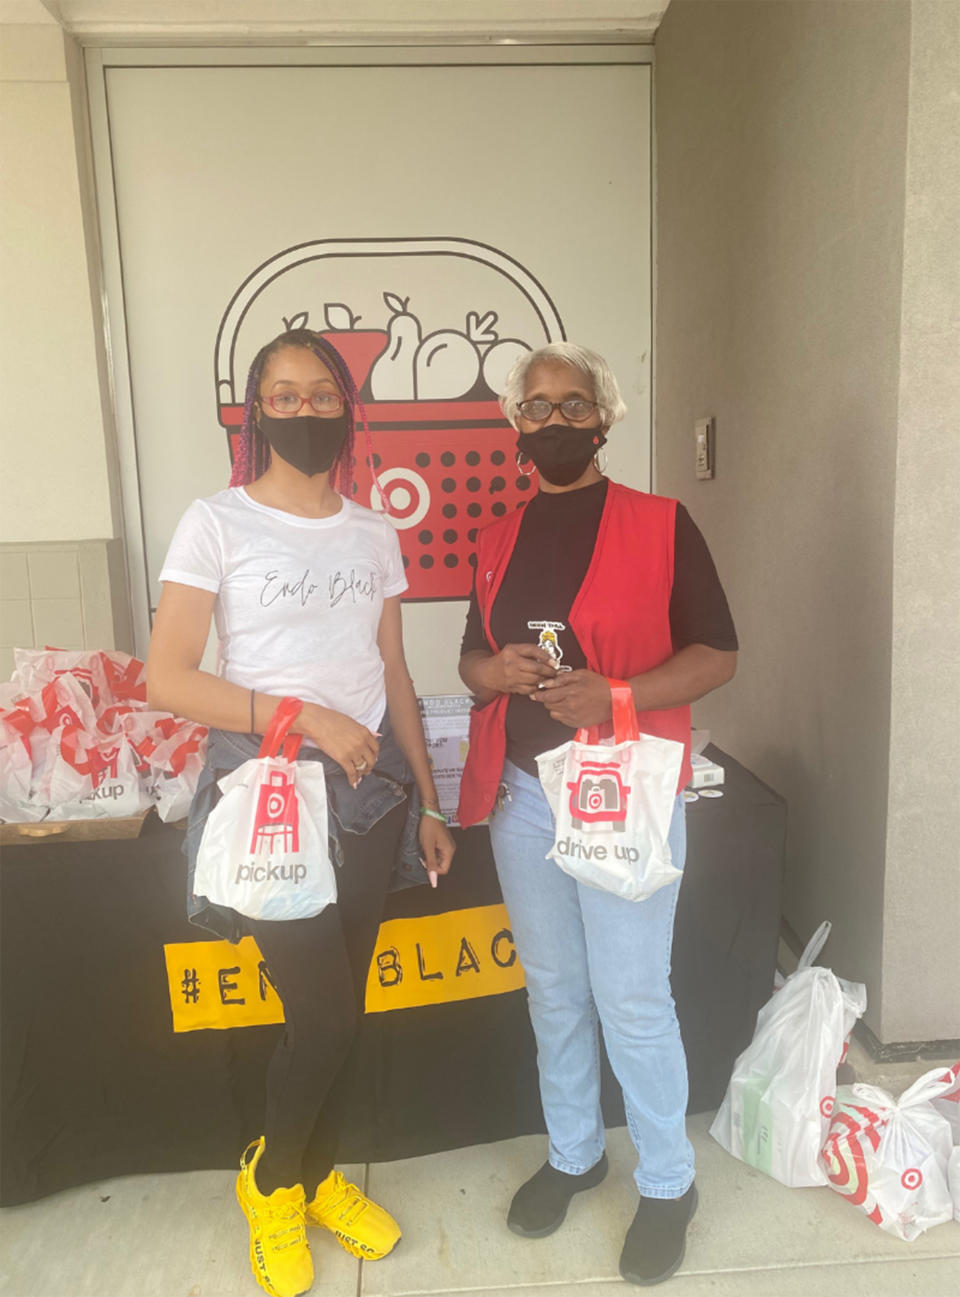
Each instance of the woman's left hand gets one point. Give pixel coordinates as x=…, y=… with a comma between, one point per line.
x=576, y=698
x=437, y=845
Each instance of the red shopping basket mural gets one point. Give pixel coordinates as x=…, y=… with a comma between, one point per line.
x=429, y=328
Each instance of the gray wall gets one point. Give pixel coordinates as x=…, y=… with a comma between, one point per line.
x=921, y=979
x=782, y=154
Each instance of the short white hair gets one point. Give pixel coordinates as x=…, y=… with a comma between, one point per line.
x=606, y=390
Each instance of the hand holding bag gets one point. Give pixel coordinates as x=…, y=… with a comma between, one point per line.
x=613, y=804
x=264, y=849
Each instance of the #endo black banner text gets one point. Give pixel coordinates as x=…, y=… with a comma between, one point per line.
x=459, y=955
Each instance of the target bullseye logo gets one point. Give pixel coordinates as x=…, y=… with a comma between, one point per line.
x=408, y=494
x=826, y=1105
x=275, y=806
x=912, y=1178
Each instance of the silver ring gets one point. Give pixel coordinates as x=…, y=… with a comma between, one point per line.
x=360, y=765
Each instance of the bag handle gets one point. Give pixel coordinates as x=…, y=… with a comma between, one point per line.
x=625, y=726
x=814, y=946
x=286, y=713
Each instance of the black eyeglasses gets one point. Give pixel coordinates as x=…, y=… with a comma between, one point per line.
x=576, y=409
x=291, y=403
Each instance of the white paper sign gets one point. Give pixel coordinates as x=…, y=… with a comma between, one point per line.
x=446, y=724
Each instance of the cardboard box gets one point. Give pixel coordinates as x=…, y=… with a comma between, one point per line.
x=706, y=773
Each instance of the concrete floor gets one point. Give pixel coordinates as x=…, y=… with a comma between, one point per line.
x=184, y=1236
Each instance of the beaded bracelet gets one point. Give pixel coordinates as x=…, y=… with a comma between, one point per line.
x=434, y=815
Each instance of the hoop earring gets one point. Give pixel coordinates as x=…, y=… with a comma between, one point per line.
x=598, y=457
x=522, y=459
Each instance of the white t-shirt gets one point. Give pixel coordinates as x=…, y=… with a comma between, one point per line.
x=298, y=599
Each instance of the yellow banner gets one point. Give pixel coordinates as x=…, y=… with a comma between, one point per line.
x=433, y=959
x=216, y=984
x=460, y=955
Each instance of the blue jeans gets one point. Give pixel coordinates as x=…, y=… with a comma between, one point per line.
x=590, y=955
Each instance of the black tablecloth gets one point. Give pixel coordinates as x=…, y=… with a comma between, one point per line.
x=95, y=1083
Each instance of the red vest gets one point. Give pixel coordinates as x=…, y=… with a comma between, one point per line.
x=621, y=618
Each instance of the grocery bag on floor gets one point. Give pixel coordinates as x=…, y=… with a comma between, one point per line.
x=775, y=1113
x=613, y=804
x=948, y=1103
x=953, y=1179
x=264, y=849
x=889, y=1156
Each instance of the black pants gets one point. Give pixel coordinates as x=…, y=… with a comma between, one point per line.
x=319, y=968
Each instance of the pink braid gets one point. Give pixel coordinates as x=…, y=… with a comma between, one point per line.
x=368, y=443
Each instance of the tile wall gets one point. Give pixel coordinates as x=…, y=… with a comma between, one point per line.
x=65, y=595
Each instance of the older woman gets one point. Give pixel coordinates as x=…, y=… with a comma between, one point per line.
x=589, y=581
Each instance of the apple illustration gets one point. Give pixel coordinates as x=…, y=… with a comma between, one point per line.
x=359, y=347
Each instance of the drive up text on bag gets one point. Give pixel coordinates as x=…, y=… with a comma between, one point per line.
x=613, y=804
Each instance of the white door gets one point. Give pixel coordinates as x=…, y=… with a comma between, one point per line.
x=435, y=219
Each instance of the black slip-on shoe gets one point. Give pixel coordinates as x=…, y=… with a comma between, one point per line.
x=657, y=1238
x=540, y=1205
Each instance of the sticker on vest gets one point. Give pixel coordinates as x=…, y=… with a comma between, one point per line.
x=549, y=640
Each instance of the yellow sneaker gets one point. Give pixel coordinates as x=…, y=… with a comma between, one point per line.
x=363, y=1228
x=279, y=1253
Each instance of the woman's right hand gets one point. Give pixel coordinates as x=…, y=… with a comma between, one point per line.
x=351, y=744
x=518, y=669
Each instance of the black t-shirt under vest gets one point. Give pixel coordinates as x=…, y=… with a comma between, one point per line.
x=553, y=550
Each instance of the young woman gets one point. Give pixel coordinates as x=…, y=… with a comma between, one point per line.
x=304, y=586
x=589, y=581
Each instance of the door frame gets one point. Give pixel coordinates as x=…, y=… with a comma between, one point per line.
x=99, y=61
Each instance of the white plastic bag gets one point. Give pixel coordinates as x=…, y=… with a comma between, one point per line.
x=264, y=849
x=105, y=677
x=171, y=752
x=613, y=805
x=91, y=777
x=16, y=767
x=890, y=1156
x=948, y=1103
x=953, y=1180
x=777, y=1107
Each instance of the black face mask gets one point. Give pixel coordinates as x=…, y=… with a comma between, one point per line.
x=561, y=453
x=307, y=442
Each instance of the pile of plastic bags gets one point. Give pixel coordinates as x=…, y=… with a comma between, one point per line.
x=77, y=741
x=783, y=1113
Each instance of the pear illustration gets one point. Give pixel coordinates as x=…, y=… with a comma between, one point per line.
x=392, y=377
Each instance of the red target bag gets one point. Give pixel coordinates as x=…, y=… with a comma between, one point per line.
x=264, y=850
x=889, y=1156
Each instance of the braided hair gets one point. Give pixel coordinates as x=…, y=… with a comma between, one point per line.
x=253, y=453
